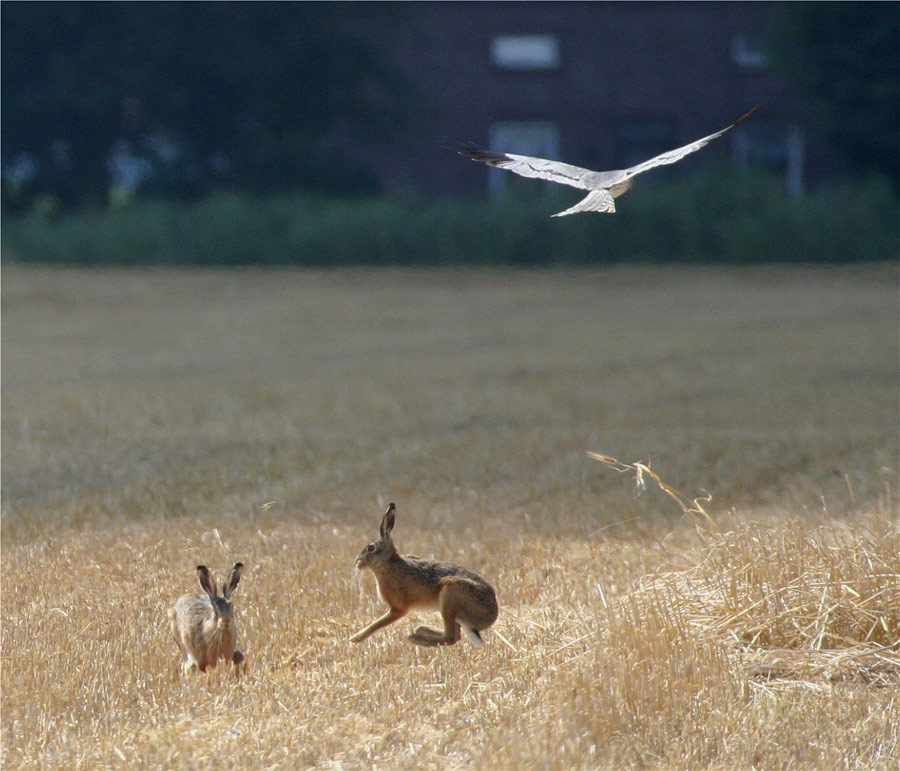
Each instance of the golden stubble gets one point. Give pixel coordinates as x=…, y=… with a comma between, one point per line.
x=155, y=420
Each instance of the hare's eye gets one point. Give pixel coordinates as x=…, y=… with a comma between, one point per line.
x=370, y=547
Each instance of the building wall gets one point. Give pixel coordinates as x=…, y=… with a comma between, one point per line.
x=632, y=78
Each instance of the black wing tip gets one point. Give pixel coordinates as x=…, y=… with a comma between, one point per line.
x=744, y=116
x=475, y=152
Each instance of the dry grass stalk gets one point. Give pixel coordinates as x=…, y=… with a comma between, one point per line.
x=693, y=507
x=798, y=602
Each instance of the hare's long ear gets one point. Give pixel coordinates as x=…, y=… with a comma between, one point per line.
x=231, y=580
x=206, y=581
x=387, y=521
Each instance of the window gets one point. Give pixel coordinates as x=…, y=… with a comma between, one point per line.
x=533, y=137
x=776, y=145
x=748, y=53
x=525, y=52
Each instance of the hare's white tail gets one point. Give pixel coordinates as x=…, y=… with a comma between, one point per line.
x=472, y=635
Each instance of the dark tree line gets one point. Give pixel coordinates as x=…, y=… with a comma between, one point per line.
x=186, y=95
x=177, y=98
x=845, y=57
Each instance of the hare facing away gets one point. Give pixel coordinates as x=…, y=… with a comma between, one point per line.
x=204, y=625
x=465, y=600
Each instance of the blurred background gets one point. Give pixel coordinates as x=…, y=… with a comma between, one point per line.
x=312, y=133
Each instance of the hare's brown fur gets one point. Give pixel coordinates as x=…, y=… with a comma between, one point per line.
x=204, y=625
x=467, y=603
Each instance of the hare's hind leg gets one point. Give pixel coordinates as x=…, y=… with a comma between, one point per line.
x=188, y=662
x=424, y=635
x=176, y=633
x=449, y=603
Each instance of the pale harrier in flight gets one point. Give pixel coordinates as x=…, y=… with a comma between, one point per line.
x=604, y=186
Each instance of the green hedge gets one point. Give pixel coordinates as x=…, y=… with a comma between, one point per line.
x=718, y=216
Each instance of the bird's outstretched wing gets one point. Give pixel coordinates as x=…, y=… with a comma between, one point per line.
x=673, y=156
x=526, y=166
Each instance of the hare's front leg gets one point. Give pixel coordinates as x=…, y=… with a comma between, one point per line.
x=388, y=618
x=190, y=664
x=239, y=662
x=185, y=651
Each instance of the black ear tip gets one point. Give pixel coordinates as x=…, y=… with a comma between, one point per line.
x=202, y=568
x=391, y=507
x=238, y=566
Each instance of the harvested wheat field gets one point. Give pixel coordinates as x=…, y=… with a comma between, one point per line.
x=746, y=614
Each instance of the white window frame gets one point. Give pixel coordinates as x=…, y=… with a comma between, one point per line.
x=525, y=52
x=771, y=145
x=748, y=53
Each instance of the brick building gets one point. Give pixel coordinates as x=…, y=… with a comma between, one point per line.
x=601, y=85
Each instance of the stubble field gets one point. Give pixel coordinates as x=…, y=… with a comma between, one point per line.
x=154, y=420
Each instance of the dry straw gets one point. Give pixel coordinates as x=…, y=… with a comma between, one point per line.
x=154, y=420
x=790, y=602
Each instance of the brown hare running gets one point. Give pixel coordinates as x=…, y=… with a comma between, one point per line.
x=465, y=600
x=204, y=625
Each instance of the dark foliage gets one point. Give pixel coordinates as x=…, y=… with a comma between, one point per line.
x=717, y=217
x=213, y=94
x=846, y=59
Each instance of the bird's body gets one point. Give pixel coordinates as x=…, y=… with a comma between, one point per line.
x=603, y=186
